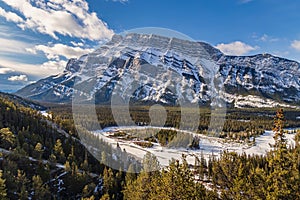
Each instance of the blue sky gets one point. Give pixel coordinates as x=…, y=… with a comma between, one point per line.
x=38, y=37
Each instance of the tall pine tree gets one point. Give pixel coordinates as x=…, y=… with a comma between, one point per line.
x=3, y=192
x=280, y=181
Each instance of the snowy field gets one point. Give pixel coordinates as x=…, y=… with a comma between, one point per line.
x=209, y=146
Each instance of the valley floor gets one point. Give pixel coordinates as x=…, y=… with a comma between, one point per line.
x=209, y=146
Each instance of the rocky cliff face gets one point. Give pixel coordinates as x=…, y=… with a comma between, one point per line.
x=151, y=68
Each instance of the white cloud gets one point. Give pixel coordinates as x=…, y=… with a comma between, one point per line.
x=38, y=70
x=55, y=53
x=56, y=66
x=57, y=50
x=5, y=30
x=296, y=45
x=52, y=17
x=22, y=78
x=66, y=17
x=77, y=44
x=10, y=32
x=13, y=46
x=235, y=48
x=265, y=38
x=6, y=70
x=10, y=16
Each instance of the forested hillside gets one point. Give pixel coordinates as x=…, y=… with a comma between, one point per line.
x=39, y=160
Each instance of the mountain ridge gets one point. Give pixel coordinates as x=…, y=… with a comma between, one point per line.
x=261, y=80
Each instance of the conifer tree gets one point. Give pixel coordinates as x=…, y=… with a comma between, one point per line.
x=7, y=138
x=108, y=181
x=22, y=182
x=150, y=163
x=40, y=191
x=3, y=191
x=59, y=152
x=85, y=164
x=142, y=187
x=104, y=159
x=280, y=181
x=38, y=150
x=279, y=137
x=68, y=166
x=23, y=195
x=130, y=174
x=177, y=182
x=105, y=197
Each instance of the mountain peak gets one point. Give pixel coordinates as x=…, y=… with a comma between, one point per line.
x=259, y=80
x=181, y=46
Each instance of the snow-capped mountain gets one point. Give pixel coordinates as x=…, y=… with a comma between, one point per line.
x=152, y=68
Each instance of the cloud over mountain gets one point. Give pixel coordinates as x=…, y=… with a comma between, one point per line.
x=57, y=50
x=235, y=48
x=22, y=78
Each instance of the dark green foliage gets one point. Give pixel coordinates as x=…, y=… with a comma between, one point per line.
x=144, y=144
x=279, y=137
x=40, y=191
x=175, y=182
x=7, y=138
x=3, y=193
x=165, y=136
x=25, y=133
x=240, y=124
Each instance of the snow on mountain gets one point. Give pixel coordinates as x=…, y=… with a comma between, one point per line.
x=153, y=68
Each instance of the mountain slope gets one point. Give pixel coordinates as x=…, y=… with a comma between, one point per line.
x=21, y=101
x=168, y=69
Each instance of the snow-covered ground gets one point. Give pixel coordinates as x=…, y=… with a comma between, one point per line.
x=209, y=146
x=46, y=114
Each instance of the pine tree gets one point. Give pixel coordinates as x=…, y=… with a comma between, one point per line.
x=104, y=159
x=68, y=166
x=139, y=189
x=150, y=163
x=108, y=181
x=88, y=190
x=3, y=191
x=210, y=166
x=7, y=138
x=85, y=164
x=130, y=174
x=59, y=152
x=200, y=166
x=23, y=195
x=105, y=197
x=280, y=181
x=22, y=182
x=177, y=182
x=142, y=187
x=52, y=159
x=279, y=137
x=38, y=150
x=40, y=191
